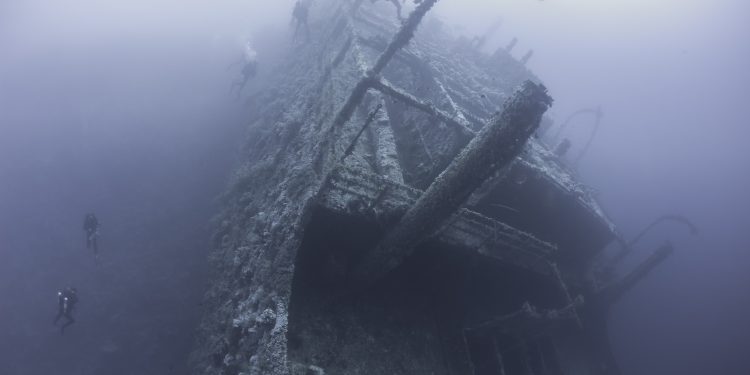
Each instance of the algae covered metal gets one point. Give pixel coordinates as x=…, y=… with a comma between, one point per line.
x=395, y=213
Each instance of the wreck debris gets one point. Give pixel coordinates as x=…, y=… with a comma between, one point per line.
x=523, y=321
x=566, y=293
x=480, y=41
x=627, y=247
x=386, y=88
x=598, y=114
x=399, y=40
x=344, y=162
x=386, y=155
x=511, y=45
x=457, y=111
x=403, y=36
x=615, y=290
x=673, y=218
x=367, y=123
x=467, y=229
x=596, y=111
x=494, y=146
x=527, y=57
x=562, y=148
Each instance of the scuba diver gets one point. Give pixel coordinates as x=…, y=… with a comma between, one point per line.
x=249, y=69
x=91, y=227
x=299, y=16
x=66, y=301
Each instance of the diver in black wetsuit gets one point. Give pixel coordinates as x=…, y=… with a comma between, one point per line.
x=249, y=63
x=66, y=301
x=91, y=227
x=249, y=70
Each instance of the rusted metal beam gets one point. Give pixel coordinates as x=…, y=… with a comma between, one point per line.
x=496, y=145
x=597, y=112
x=511, y=45
x=384, y=142
x=626, y=248
x=427, y=107
x=565, y=291
x=523, y=320
x=614, y=291
x=417, y=64
x=402, y=37
x=370, y=119
x=479, y=42
x=527, y=56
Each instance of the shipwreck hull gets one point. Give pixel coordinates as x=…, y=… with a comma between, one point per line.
x=358, y=129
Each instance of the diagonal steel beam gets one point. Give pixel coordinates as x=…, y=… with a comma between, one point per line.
x=386, y=88
x=496, y=145
x=402, y=38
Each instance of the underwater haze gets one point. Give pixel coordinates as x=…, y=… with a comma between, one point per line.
x=121, y=109
x=672, y=79
x=124, y=109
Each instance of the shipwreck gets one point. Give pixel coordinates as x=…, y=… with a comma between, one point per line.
x=397, y=212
